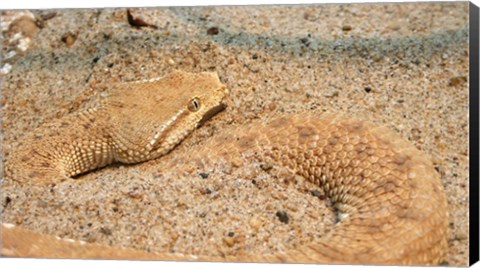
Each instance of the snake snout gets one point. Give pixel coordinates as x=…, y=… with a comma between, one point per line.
x=210, y=113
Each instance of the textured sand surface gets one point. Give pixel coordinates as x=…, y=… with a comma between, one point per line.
x=401, y=65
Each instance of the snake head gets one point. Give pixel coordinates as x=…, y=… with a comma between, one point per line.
x=148, y=118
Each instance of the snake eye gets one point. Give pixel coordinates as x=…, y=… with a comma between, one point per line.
x=194, y=105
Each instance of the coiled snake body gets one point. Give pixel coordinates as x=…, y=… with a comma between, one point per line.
x=392, y=202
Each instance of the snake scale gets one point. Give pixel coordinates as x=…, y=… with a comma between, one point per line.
x=391, y=200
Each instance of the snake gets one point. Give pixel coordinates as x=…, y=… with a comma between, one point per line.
x=390, y=200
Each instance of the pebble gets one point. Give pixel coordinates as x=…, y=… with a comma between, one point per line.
x=48, y=16
x=305, y=41
x=346, y=28
x=7, y=201
x=10, y=54
x=230, y=241
x=331, y=94
x=26, y=25
x=203, y=175
x=457, y=80
x=392, y=27
x=213, y=31
x=318, y=194
x=282, y=216
x=106, y=231
x=255, y=223
x=4, y=100
x=134, y=192
x=266, y=166
x=69, y=39
x=236, y=162
x=5, y=69
x=138, y=22
x=272, y=106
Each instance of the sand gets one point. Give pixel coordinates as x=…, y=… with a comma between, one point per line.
x=401, y=65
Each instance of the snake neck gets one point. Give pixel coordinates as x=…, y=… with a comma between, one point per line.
x=57, y=151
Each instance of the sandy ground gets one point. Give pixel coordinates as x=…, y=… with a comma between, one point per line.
x=401, y=65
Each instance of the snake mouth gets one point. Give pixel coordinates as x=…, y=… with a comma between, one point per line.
x=210, y=113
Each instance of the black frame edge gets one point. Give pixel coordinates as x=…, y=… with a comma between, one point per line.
x=474, y=128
